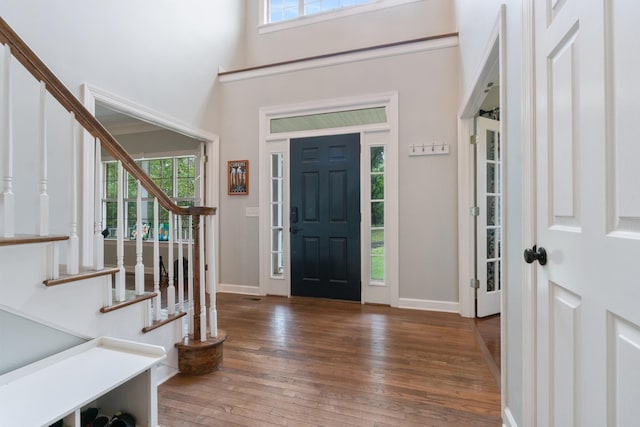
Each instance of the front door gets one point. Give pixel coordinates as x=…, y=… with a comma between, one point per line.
x=587, y=213
x=325, y=217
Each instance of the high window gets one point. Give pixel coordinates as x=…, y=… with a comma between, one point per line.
x=176, y=176
x=283, y=10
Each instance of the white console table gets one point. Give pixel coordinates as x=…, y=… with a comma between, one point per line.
x=110, y=374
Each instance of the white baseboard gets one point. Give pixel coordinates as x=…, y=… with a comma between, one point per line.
x=429, y=305
x=508, y=420
x=238, y=289
x=165, y=372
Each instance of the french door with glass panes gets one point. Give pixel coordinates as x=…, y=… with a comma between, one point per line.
x=489, y=223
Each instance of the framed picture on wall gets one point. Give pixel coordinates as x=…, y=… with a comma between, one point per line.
x=238, y=177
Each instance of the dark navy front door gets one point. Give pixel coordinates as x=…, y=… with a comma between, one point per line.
x=325, y=217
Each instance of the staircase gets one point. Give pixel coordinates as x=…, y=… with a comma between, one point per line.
x=51, y=169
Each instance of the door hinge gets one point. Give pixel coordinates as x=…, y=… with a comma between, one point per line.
x=474, y=211
x=474, y=283
x=473, y=139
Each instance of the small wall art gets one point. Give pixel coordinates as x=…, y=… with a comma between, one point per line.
x=238, y=177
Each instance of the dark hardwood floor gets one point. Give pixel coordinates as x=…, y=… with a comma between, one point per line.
x=314, y=362
x=488, y=333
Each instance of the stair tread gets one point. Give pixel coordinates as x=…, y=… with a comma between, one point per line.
x=129, y=301
x=158, y=323
x=82, y=275
x=24, y=239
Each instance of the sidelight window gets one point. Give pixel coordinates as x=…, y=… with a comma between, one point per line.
x=277, y=216
x=376, y=172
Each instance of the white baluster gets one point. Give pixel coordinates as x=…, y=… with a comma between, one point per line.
x=73, y=257
x=203, y=302
x=98, y=238
x=211, y=276
x=171, y=289
x=7, y=200
x=139, y=265
x=43, y=223
x=180, y=267
x=54, y=261
x=190, y=274
x=120, y=276
x=156, y=261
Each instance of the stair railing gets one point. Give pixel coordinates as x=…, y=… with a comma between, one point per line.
x=197, y=305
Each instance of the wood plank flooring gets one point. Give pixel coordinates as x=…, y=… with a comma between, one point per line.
x=314, y=362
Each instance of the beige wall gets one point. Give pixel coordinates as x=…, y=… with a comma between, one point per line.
x=426, y=83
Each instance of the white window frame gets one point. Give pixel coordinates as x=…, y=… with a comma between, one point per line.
x=265, y=26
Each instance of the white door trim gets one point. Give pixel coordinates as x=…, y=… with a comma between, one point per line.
x=91, y=94
x=493, y=56
x=529, y=281
x=279, y=142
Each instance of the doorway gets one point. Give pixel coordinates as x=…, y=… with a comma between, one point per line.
x=472, y=253
x=325, y=216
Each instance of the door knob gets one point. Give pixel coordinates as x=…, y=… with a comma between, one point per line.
x=535, y=253
x=294, y=229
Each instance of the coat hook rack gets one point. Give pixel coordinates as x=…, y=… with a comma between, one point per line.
x=432, y=149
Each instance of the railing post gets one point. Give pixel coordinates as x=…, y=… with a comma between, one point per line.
x=7, y=201
x=156, y=261
x=98, y=238
x=139, y=272
x=190, y=294
x=211, y=276
x=171, y=289
x=74, y=253
x=180, y=267
x=43, y=221
x=198, y=291
x=201, y=274
x=120, y=276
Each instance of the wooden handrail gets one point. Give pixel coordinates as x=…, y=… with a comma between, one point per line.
x=58, y=90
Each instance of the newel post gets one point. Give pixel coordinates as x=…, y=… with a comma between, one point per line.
x=201, y=352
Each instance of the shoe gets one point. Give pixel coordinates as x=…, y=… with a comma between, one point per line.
x=87, y=416
x=101, y=421
x=122, y=420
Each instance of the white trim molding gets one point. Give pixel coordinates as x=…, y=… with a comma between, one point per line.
x=239, y=289
x=429, y=305
x=529, y=295
x=507, y=419
x=339, y=59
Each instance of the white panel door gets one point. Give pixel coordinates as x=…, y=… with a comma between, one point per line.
x=588, y=212
x=489, y=229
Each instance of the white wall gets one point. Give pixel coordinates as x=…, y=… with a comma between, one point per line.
x=475, y=22
x=161, y=54
x=427, y=86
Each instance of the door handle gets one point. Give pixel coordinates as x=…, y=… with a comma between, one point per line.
x=535, y=254
x=294, y=229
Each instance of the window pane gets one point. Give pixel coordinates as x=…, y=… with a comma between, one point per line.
x=111, y=180
x=377, y=159
x=377, y=268
x=377, y=214
x=377, y=242
x=377, y=187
